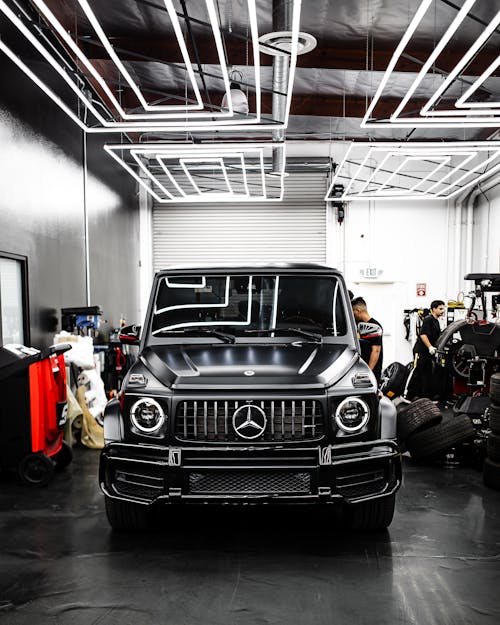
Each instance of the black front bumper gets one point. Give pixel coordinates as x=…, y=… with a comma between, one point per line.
x=350, y=473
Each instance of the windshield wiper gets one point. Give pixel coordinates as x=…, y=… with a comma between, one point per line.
x=315, y=337
x=227, y=338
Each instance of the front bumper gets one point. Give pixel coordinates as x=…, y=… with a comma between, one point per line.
x=350, y=473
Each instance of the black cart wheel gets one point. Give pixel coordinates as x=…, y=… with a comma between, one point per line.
x=372, y=515
x=441, y=437
x=495, y=388
x=417, y=416
x=36, y=470
x=494, y=418
x=491, y=474
x=126, y=516
x=63, y=457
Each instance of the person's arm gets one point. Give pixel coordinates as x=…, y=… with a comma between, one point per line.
x=374, y=356
x=428, y=344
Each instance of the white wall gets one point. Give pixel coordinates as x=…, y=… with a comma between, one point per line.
x=486, y=239
x=407, y=244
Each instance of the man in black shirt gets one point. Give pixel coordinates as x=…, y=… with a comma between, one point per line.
x=422, y=383
x=370, y=336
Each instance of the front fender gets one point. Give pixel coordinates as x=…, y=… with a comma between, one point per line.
x=113, y=422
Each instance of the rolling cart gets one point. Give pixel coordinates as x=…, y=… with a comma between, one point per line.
x=33, y=412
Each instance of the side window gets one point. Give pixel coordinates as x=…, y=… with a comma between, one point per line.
x=14, y=326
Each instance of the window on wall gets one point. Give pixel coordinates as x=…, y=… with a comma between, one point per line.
x=13, y=300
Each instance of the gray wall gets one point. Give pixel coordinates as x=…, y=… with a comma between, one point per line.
x=44, y=198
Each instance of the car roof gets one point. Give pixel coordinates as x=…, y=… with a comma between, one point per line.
x=250, y=269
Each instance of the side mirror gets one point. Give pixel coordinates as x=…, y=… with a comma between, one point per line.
x=130, y=335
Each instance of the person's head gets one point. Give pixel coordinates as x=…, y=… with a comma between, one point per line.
x=359, y=309
x=437, y=308
x=351, y=295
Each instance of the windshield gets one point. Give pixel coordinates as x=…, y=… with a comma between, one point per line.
x=243, y=305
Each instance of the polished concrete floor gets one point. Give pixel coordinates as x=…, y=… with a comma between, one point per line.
x=439, y=563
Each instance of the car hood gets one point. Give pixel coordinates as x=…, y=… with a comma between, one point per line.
x=242, y=365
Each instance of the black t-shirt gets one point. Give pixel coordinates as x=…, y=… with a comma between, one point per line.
x=431, y=329
x=370, y=333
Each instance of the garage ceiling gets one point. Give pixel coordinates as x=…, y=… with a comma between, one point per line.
x=381, y=70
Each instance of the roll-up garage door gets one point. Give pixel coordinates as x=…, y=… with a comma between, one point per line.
x=293, y=230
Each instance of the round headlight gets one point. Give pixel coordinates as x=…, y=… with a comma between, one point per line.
x=352, y=414
x=147, y=415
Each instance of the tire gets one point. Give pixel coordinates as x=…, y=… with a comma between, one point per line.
x=394, y=379
x=417, y=416
x=64, y=457
x=494, y=417
x=126, y=516
x=36, y=470
x=493, y=447
x=438, y=438
x=372, y=515
x=495, y=388
x=491, y=473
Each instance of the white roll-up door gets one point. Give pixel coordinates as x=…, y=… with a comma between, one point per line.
x=293, y=230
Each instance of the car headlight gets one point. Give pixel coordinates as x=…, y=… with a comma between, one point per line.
x=352, y=415
x=147, y=415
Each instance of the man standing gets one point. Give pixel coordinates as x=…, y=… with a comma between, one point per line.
x=370, y=336
x=422, y=383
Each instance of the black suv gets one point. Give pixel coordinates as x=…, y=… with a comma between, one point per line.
x=249, y=388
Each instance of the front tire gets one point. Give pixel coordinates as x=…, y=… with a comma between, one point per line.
x=372, y=516
x=125, y=516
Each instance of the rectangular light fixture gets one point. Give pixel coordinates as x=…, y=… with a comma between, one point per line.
x=203, y=173
x=464, y=114
x=423, y=171
x=152, y=117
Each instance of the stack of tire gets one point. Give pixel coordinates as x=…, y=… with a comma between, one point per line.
x=426, y=433
x=491, y=468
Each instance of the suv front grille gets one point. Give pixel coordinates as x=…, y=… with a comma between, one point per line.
x=287, y=420
x=249, y=482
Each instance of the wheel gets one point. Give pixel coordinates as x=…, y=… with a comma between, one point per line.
x=493, y=447
x=372, y=515
x=441, y=437
x=495, y=388
x=491, y=474
x=494, y=417
x=126, y=516
x=63, y=457
x=458, y=357
x=418, y=415
x=36, y=470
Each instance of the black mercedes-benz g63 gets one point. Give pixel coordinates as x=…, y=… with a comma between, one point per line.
x=249, y=388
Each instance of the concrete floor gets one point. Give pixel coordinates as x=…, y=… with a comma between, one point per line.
x=439, y=563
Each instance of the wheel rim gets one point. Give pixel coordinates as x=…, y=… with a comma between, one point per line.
x=36, y=469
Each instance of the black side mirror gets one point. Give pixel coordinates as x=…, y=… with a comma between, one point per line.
x=130, y=335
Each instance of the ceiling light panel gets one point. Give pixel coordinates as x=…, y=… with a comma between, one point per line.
x=424, y=171
x=203, y=173
x=178, y=105
x=441, y=107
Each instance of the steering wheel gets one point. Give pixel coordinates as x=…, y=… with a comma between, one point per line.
x=302, y=319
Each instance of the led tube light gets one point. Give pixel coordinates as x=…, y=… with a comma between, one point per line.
x=483, y=159
x=135, y=122
x=186, y=155
x=479, y=115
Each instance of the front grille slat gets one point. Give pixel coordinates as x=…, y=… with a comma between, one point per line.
x=249, y=482
x=287, y=420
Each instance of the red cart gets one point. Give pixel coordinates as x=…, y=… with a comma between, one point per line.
x=33, y=412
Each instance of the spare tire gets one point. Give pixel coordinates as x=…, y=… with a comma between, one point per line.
x=493, y=447
x=416, y=416
x=441, y=437
x=495, y=388
x=394, y=378
x=494, y=417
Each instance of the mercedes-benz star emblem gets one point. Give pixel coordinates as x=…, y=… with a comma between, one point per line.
x=249, y=422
